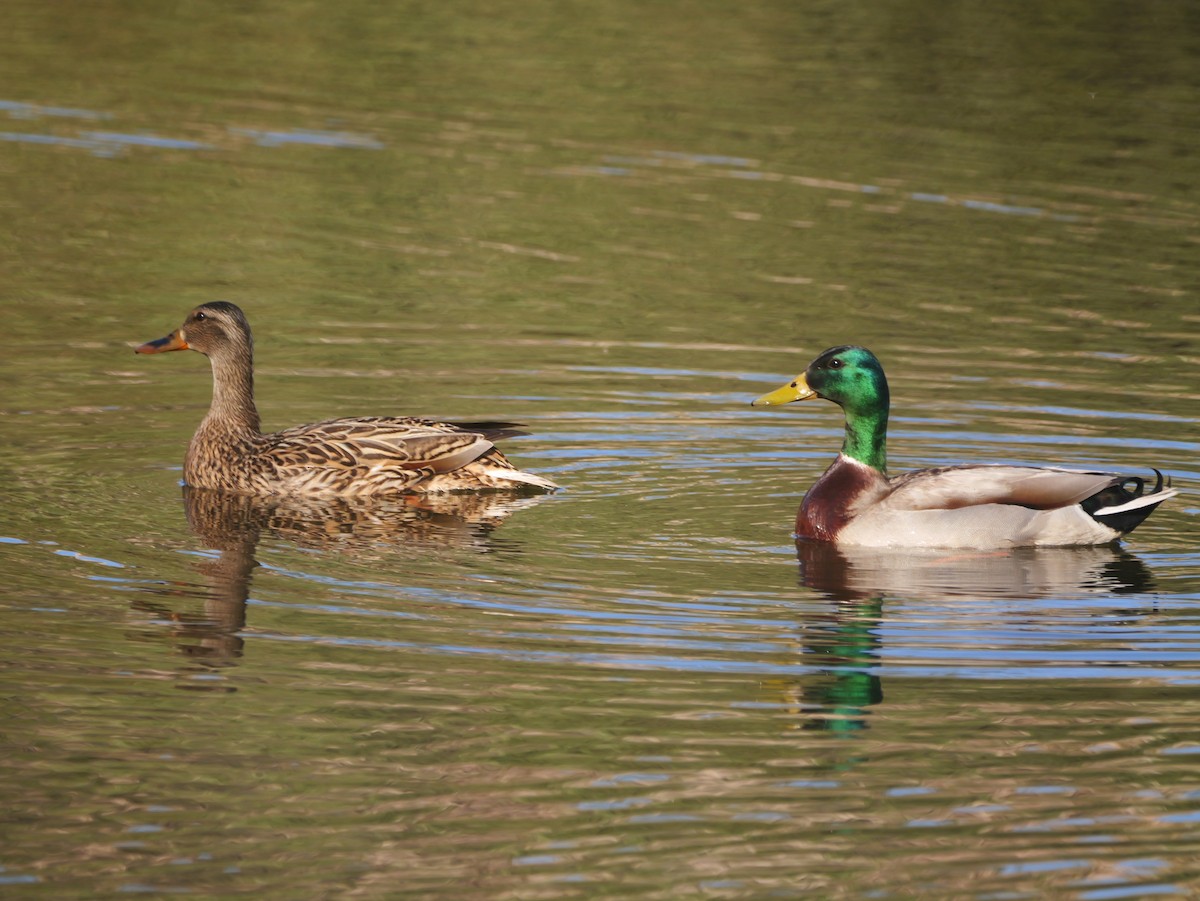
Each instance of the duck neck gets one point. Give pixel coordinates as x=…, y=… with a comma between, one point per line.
x=232, y=408
x=866, y=435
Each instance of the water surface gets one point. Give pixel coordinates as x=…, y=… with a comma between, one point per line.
x=617, y=225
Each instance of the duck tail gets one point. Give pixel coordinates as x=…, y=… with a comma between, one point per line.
x=492, y=430
x=1123, y=505
x=527, y=480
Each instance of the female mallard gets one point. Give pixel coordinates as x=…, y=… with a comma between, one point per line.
x=974, y=505
x=346, y=457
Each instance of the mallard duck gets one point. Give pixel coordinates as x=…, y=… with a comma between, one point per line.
x=358, y=456
x=973, y=505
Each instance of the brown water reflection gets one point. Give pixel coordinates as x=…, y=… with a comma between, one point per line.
x=364, y=527
x=369, y=529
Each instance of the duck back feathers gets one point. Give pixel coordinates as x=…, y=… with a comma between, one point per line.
x=991, y=506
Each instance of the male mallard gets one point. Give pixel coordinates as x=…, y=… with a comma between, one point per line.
x=973, y=505
x=346, y=457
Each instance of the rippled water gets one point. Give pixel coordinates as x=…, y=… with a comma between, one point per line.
x=617, y=226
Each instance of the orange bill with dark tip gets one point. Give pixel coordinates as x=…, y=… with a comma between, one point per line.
x=173, y=341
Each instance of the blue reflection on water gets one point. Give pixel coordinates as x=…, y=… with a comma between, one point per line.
x=278, y=138
x=119, y=139
x=18, y=110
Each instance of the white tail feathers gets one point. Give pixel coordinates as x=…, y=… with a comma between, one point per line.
x=518, y=477
x=1138, y=502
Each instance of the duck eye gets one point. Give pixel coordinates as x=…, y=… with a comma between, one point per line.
x=200, y=316
x=835, y=364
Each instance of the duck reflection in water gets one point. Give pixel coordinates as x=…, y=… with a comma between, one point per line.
x=232, y=526
x=946, y=575
x=844, y=645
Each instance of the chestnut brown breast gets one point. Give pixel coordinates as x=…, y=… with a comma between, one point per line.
x=830, y=504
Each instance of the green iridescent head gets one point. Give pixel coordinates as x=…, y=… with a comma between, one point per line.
x=852, y=378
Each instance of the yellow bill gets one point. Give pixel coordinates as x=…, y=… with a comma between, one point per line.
x=796, y=389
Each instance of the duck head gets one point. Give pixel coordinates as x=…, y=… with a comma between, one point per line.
x=852, y=378
x=212, y=329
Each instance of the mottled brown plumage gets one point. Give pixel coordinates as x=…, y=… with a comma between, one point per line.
x=350, y=457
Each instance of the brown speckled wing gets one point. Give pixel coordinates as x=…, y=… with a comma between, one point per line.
x=370, y=455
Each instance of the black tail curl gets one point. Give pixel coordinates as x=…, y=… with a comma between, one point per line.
x=1120, y=493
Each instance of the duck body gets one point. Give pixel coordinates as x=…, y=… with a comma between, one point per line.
x=855, y=503
x=347, y=457
x=353, y=457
